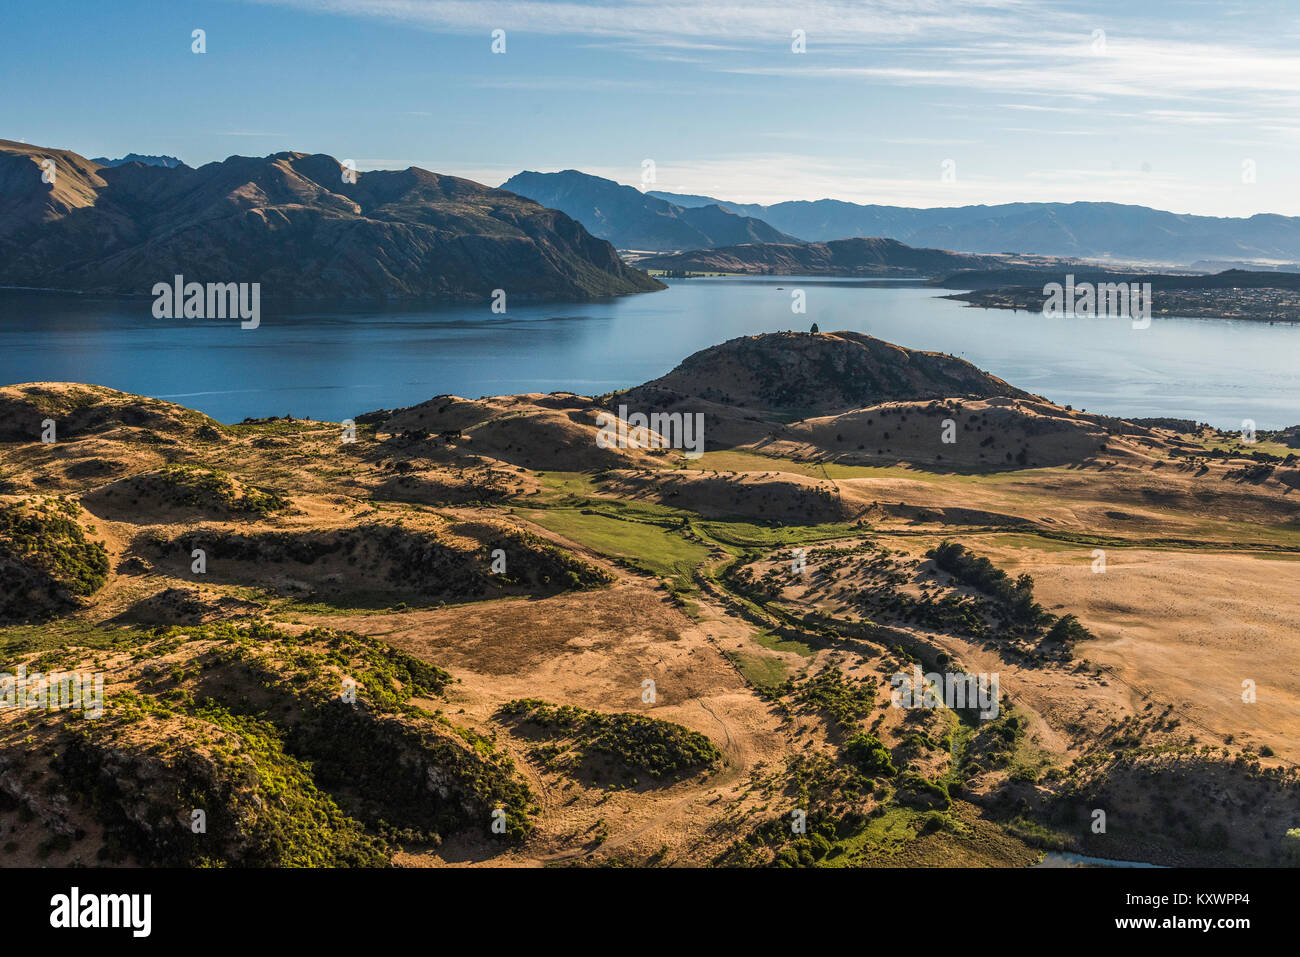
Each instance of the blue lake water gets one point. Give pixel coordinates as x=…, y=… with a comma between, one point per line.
x=1066, y=859
x=332, y=363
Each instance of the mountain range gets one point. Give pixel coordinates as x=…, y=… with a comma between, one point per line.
x=293, y=222
x=840, y=257
x=298, y=224
x=168, y=161
x=631, y=219
x=1089, y=230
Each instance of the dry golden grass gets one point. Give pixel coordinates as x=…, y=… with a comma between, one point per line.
x=1201, y=592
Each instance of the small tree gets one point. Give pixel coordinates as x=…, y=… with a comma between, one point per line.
x=1291, y=845
x=814, y=330
x=870, y=756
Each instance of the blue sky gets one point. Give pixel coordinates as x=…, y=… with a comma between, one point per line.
x=1160, y=103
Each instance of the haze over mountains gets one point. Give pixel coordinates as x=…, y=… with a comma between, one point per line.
x=631, y=219
x=674, y=222
x=293, y=223
x=1089, y=230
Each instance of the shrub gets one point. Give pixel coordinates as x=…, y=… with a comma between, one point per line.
x=638, y=742
x=869, y=756
x=916, y=791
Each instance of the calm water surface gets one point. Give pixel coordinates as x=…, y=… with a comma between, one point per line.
x=332, y=363
x=1066, y=859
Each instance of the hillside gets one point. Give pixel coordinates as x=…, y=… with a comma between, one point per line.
x=841, y=257
x=631, y=219
x=818, y=373
x=291, y=223
x=433, y=645
x=1089, y=230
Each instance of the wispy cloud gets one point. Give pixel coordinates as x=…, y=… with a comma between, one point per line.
x=1034, y=47
x=1185, y=89
x=1247, y=77
x=691, y=25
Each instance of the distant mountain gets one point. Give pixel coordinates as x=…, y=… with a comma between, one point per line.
x=1021, y=277
x=290, y=222
x=631, y=219
x=692, y=200
x=168, y=161
x=1089, y=230
x=1221, y=265
x=842, y=257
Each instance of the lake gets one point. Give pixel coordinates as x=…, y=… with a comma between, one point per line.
x=1066, y=859
x=333, y=363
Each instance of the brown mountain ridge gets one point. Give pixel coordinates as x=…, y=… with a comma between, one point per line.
x=291, y=222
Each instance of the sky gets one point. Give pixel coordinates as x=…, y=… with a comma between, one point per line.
x=1182, y=105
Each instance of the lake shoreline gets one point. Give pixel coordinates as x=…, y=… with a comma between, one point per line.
x=1032, y=301
x=337, y=360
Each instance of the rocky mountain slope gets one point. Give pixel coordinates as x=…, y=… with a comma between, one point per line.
x=293, y=223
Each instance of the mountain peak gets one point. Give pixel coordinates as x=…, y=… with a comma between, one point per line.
x=295, y=224
x=167, y=161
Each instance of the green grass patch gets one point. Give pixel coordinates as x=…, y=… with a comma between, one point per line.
x=1236, y=447
x=777, y=643
x=762, y=671
x=886, y=833
x=749, y=535
x=650, y=548
x=559, y=485
x=64, y=633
